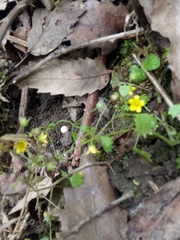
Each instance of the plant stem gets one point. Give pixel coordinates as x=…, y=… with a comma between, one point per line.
x=169, y=142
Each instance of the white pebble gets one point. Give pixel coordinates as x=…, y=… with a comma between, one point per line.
x=64, y=129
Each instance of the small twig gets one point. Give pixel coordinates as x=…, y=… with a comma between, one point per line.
x=100, y=211
x=23, y=106
x=87, y=120
x=7, y=21
x=64, y=50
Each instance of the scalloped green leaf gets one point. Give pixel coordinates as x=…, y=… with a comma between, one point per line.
x=151, y=62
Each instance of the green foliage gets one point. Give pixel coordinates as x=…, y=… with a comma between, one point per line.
x=74, y=136
x=107, y=143
x=126, y=47
x=143, y=153
x=45, y=238
x=137, y=75
x=174, y=110
x=167, y=51
x=76, y=180
x=145, y=98
x=124, y=89
x=115, y=82
x=51, y=166
x=151, y=62
x=145, y=124
x=85, y=128
x=178, y=161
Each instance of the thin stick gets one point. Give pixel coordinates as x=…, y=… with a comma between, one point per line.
x=100, y=211
x=64, y=50
x=87, y=120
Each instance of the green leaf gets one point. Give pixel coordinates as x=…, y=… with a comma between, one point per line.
x=107, y=143
x=178, y=161
x=145, y=124
x=51, y=126
x=115, y=81
x=137, y=75
x=74, y=136
x=151, y=62
x=174, y=110
x=167, y=51
x=44, y=238
x=85, y=128
x=76, y=180
x=145, y=98
x=51, y=166
x=124, y=89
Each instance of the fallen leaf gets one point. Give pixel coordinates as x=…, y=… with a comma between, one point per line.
x=17, y=163
x=80, y=203
x=159, y=219
x=13, y=137
x=3, y=4
x=10, y=183
x=49, y=28
x=164, y=16
x=100, y=19
x=71, y=78
x=45, y=183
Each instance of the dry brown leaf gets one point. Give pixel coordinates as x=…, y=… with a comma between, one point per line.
x=13, y=137
x=3, y=4
x=81, y=202
x=10, y=183
x=159, y=219
x=17, y=163
x=45, y=183
x=70, y=78
x=164, y=16
x=50, y=27
x=100, y=19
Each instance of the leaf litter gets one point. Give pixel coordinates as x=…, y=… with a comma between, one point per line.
x=93, y=18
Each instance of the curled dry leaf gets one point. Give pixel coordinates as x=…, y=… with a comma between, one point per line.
x=83, y=201
x=10, y=183
x=71, y=78
x=159, y=219
x=100, y=19
x=50, y=27
x=164, y=16
x=45, y=183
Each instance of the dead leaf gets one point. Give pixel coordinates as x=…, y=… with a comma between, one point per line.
x=11, y=183
x=85, y=200
x=164, y=16
x=45, y=183
x=70, y=78
x=159, y=219
x=49, y=28
x=13, y=137
x=3, y=4
x=17, y=163
x=100, y=19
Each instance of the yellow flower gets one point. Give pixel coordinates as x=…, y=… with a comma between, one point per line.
x=20, y=146
x=92, y=149
x=132, y=89
x=43, y=138
x=136, y=104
